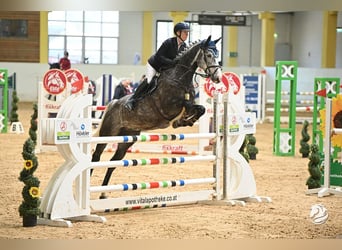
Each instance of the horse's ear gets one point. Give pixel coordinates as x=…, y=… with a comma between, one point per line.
x=206, y=43
x=216, y=41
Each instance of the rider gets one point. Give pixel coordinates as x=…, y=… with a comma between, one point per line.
x=162, y=59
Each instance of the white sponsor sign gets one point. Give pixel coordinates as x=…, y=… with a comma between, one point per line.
x=75, y=130
x=244, y=123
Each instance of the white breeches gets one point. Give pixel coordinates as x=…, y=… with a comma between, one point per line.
x=150, y=72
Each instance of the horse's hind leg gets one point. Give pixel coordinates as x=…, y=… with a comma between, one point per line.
x=97, y=153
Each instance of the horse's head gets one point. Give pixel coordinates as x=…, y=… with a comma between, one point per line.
x=206, y=59
x=54, y=65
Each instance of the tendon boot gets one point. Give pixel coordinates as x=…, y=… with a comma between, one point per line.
x=139, y=93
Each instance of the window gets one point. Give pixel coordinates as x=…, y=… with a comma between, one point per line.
x=13, y=28
x=88, y=36
x=197, y=32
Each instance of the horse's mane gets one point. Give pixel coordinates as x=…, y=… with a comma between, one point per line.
x=187, y=49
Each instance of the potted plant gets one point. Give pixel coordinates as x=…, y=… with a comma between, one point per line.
x=252, y=150
x=304, y=146
x=29, y=208
x=314, y=181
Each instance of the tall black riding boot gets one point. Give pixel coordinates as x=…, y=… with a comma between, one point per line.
x=139, y=92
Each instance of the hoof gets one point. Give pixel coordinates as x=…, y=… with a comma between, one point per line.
x=175, y=124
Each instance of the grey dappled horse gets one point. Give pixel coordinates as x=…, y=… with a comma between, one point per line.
x=164, y=106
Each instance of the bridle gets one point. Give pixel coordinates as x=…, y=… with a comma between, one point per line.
x=207, y=69
x=191, y=68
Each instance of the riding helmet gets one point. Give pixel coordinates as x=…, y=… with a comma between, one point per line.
x=181, y=26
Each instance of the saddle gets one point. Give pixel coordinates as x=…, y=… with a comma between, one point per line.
x=147, y=88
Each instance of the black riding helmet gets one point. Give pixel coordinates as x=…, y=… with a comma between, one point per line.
x=180, y=26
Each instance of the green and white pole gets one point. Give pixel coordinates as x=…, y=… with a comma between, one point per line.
x=4, y=102
x=284, y=137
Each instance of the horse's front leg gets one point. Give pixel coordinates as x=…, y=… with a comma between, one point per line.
x=192, y=114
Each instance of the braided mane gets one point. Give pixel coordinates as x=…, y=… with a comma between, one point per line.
x=187, y=49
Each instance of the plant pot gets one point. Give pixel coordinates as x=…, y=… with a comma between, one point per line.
x=29, y=220
x=252, y=156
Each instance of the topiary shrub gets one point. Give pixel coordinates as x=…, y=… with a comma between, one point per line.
x=304, y=145
x=14, y=117
x=29, y=208
x=34, y=125
x=314, y=168
x=252, y=150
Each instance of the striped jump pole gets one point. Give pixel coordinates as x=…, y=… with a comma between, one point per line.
x=152, y=137
x=151, y=185
x=152, y=161
x=154, y=151
x=288, y=93
x=298, y=109
x=270, y=101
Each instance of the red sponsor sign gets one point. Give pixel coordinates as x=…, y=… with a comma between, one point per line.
x=229, y=81
x=232, y=80
x=76, y=79
x=54, y=81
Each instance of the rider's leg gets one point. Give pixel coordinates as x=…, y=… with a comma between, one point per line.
x=142, y=88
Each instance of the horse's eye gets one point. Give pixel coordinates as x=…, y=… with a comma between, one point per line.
x=209, y=55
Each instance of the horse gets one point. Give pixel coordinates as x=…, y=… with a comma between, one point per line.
x=166, y=105
x=54, y=65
